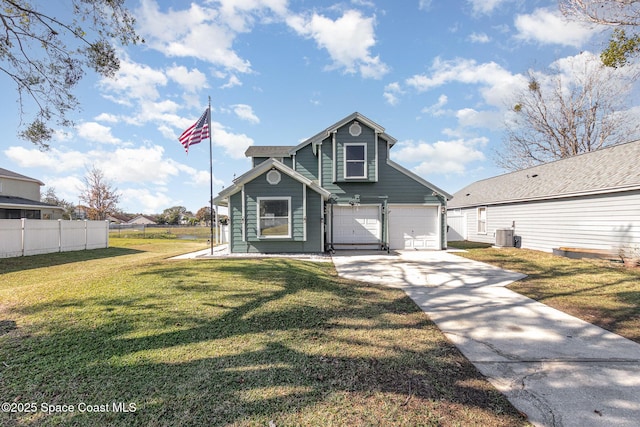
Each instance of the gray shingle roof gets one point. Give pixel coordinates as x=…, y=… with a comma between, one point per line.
x=9, y=174
x=21, y=201
x=610, y=169
x=269, y=151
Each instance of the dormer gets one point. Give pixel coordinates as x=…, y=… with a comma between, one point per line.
x=259, y=154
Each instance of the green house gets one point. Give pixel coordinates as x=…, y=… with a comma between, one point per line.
x=337, y=190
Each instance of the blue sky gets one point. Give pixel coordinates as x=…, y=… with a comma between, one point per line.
x=435, y=73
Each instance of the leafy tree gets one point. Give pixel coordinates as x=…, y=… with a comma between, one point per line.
x=204, y=215
x=99, y=195
x=622, y=46
x=51, y=198
x=47, y=57
x=578, y=107
x=172, y=215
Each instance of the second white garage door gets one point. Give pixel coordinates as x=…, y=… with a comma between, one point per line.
x=356, y=225
x=413, y=227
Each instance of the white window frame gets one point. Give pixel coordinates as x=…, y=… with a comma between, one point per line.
x=482, y=221
x=258, y=218
x=364, y=161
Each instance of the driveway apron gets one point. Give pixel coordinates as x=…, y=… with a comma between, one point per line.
x=557, y=369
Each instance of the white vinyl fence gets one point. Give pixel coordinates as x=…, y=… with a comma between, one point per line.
x=23, y=237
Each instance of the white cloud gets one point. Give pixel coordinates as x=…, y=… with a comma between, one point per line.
x=470, y=118
x=436, y=109
x=496, y=82
x=151, y=201
x=106, y=117
x=547, y=26
x=198, y=32
x=442, y=157
x=234, y=145
x=479, y=38
x=424, y=4
x=192, y=81
x=146, y=164
x=53, y=159
x=66, y=187
x=134, y=81
x=96, y=132
x=245, y=112
x=348, y=40
x=392, y=93
x=486, y=7
x=232, y=82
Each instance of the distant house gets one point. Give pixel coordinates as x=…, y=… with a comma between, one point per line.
x=20, y=198
x=590, y=201
x=336, y=190
x=117, y=218
x=142, y=220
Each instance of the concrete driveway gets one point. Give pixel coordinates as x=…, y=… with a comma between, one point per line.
x=557, y=369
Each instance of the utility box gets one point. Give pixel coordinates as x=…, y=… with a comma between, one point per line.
x=504, y=237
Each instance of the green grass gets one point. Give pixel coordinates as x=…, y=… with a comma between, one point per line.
x=597, y=291
x=224, y=342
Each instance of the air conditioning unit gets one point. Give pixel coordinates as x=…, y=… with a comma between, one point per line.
x=504, y=238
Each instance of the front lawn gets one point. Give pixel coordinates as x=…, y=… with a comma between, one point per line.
x=597, y=291
x=123, y=336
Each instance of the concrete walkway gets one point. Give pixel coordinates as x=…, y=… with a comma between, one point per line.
x=557, y=369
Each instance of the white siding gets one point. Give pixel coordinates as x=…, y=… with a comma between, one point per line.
x=603, y=222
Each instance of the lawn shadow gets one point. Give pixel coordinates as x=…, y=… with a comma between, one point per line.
x=289, y=342
x=10, y=265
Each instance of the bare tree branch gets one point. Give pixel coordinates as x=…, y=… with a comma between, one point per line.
x=46, y=58
x=577, y=108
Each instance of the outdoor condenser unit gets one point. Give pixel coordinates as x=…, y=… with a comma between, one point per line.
x=504, y=237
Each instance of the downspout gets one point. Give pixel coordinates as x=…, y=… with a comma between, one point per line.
x=332, y=200
x=385, y=235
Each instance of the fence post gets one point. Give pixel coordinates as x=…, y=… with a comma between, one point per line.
x=86, y=235
x=59, y=235
x=23, y=220
x=107, y=232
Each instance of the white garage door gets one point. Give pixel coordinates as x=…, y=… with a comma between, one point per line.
x=413, y=227
x=355, y=225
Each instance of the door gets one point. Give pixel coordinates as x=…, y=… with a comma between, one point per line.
x=356, y=227
x=414, y=227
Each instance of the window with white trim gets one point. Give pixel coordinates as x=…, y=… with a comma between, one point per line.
x=274, y=217
x=482, y=220
x=355, y=160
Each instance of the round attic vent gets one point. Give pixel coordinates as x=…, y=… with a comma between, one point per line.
x=273, y=177
x=355, y=129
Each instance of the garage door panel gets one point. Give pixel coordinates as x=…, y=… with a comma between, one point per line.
x=413, y=227
x=356, y=224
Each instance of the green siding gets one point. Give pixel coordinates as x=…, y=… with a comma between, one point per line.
x=307, y=163
x=286, y=160
x=392, y=185
x=398, y=187
x=344, y=137
x=288, y=187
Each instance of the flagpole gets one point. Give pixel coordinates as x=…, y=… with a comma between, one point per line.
x=210, y=178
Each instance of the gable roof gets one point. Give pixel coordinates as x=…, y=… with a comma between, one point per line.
x=269, y=151
x=6, y=173
x=607, y=170
x=354, y=116
x=259, y=170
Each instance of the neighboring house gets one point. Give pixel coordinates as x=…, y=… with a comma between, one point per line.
x=335, y=190
x=118, y=218
x=20, y=198
x=142, y=220
x=590, y=201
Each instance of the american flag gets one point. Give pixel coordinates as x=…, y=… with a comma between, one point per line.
x=196, y=132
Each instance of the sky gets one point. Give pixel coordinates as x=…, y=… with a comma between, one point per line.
x=436, y=74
